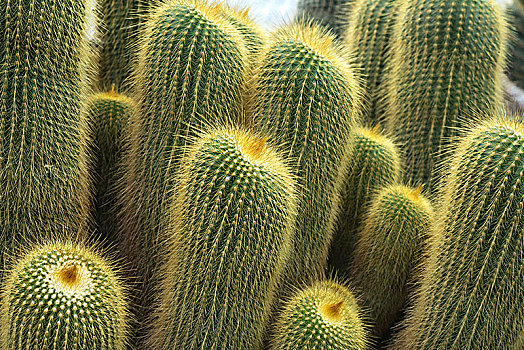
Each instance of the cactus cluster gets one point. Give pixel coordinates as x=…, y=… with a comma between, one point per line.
x=237, y=174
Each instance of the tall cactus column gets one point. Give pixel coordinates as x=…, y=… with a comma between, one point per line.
x=231, y=234
x=44, y=66
x=447, y=62
x=471, y=291
x=308, y=98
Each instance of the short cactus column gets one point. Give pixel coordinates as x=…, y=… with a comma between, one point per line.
x=64, y=297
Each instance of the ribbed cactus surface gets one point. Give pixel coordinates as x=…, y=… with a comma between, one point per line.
x=367, y=36
x=44, y=60
x=110, y=113
x=324, y=316
x=447, y=60
x=307, y=97
x=121, y=24
x=516, y=52
x=231, y=233
x=189, y=75
x=471, y=291
x=375, y=163
x=391, y=242
x=62, y=297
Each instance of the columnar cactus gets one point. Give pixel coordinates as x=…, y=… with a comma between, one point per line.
x=62, y=296
x=190, y=72
x=231, y=232
x=44, y=79
x=390, y=244
x=375, y=163
x=328, y=13
x=370, y=25
x=111, y=113
x=471, y=290
x=324, y=316
x=447, y=62
x=516, y=53
x=307, y=97
x=121, y=23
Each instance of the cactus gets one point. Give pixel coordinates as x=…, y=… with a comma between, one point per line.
x=447, y=63
x=516, y=54
x=307, y=97
x=231, y=227
x=62, y=296
x=44, y=185
x=324, y=316
x=370, y=25
x=254, y=36
x=393, y=237
x=328, y=13
x=471, y=290
x=111, y=113
x=190, y=71
x=375, y=163
x=121, y=20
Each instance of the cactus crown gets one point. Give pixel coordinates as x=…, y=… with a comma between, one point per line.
x=74, y=299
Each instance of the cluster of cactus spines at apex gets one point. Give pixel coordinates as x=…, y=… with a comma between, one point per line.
x=392, y=238
x=375, y=163
x=447, y=62
x=62, y=296
x=44, y=85
x=370, y=25
x=516, y=52
x=471, y=291
x=307, y=98
x=324, y=316
x=190, y=71
x=231, y=233
x=254, y=36
x=121, y=23
x=327, y=13
x=110, y=113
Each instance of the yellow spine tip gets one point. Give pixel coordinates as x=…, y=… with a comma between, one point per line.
x=375, y=129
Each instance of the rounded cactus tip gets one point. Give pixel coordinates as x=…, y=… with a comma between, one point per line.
x=74, y=298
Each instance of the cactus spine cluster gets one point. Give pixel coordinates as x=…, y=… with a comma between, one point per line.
x=447, y=61
x=375, y=163
x=43, y=125
x=367, y=37
x=189, y=75
x=324, y=316
x=307, y=97
x=64, y=297
x=516, y=52
x=121, y=23
x=110, y=113
x=231, y=232
x=471, y=291
x=392, y=239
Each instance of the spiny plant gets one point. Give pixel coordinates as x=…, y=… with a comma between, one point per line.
x=375, y=163
x=324, y=316
x=232, y=233
x=367, y=35
x=110, y=113
x=190, y=71
x=391, y=241
x=254, y=36
x=44, y=185
x=516, y=53
x=328, y=13
x=121, y=24
x=62, y=296
x=471, y=290
x=447, y=62
x=307, y=97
